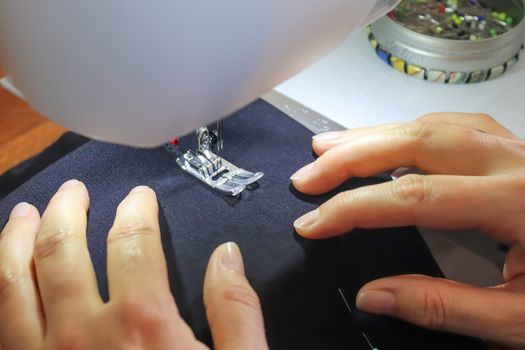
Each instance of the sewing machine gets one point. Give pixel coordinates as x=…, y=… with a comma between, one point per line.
x=137, y=73
x=108, y=77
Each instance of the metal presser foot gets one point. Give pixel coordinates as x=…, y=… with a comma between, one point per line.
x=213, y=170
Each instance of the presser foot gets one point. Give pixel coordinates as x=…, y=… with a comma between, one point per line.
x=216, y=172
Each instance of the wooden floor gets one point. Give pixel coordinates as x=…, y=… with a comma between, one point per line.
x=23, y=132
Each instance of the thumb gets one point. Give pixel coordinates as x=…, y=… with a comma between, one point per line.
x=496, y=314
x=232, y=306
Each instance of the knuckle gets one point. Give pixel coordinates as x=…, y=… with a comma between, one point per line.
x=418, y=131
x=49, y=241
x=517, y=182
x=510, y=226
x=429, y=117
x=340, y=207
x=242, y=295
x=433, y=313
x=341, y=200
x=66, y=338
x=237, y=297
x=412, y=189
x=132, y=230
x=231, y=295
x=518, y=146
x=473, y=136
x=142, y=315
x=485, y=118
x=9, y=277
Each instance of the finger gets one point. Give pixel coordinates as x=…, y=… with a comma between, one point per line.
x=136, y=263
x=489, y=313
x=20, y=313
x=324, y=142
x=438, y=201
x=232, y=306
x=137, y=275
x=63, y=266
x=476, y=121
x=435, y=149
x=514, y=263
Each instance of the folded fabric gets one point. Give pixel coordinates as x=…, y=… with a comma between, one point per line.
x=298, y=280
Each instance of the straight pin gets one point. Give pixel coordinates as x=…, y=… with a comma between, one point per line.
x=347, y=304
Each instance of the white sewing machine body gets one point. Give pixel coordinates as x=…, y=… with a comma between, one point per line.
x=139, y=72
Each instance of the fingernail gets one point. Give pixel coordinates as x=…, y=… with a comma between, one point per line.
x=231, y=258
x=302, y=172
x=332, y=137
x=140, y=189
x=307, y=219
x=69, y=183
x=21, y=209
x=377, y=302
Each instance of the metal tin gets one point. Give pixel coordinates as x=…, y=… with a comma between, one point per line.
x=446, y=60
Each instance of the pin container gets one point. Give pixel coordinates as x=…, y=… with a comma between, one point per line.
x=439, y=60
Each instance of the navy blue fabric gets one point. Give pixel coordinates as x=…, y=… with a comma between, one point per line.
x=16, y=176
x=297, y=279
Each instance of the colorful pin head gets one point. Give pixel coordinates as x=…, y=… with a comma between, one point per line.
x=453, y=19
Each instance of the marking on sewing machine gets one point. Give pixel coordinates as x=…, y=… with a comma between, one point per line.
x=310, y=119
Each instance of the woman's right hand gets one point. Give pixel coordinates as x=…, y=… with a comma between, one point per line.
x=476, y=179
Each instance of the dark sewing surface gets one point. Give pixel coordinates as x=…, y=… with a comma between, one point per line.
x=297, y=280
